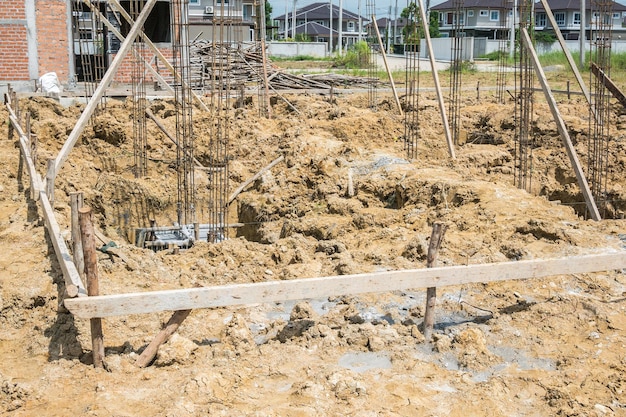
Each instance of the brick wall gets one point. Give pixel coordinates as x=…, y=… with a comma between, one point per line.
x=125, y=70
x=52, y=38
x=13, y=42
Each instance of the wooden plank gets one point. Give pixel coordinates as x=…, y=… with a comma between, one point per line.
x=35, y=180
x=560, y=124
x=73, y=282
x=442, y=106
x=608, y=83
x=70, y=273
x=102, y=86
x=384, y=54
x=568, y=55
x=300, y=289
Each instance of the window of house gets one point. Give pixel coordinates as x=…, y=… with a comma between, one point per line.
x=576, y=20
x=560, y=18
x=615, y=15
x=194, y=2
x=449, y=18
x=462, y=18
x=350, y=26
x=484, y=13
x=470, y=13
x=494, y=16
x=540, y=19
x=248, y=11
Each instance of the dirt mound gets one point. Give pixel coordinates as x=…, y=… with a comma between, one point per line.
x=551, y=346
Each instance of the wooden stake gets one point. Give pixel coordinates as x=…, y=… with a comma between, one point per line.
x=50, y=176
x=76, y=202
x=350, y=184
x=254, y=177
x=91, y=272
x=436, y=238
x=172, y=325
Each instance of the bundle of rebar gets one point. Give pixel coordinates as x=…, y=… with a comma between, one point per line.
x=600, y=110
x=242, y=65
x=525, y=79
x=411, y=105
x=456, y=70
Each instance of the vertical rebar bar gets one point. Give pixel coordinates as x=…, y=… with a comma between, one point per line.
x=412, y=82
x=456, y=70
x=524, y=104
x=372, y=67
x=599, y=126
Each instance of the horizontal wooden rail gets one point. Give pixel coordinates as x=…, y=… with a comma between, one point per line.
x=298, y=289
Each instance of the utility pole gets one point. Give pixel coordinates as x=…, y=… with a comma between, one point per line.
x=360, y=20
x=293, y=20
x=330, y=29
x=340, y=28
x=581, y=37
x=395, y=25
x=388, y=30
x=512, y=31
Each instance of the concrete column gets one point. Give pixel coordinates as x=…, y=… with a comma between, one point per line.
x=31, y=38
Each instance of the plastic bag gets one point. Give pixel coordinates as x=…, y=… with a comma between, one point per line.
x=50, y=83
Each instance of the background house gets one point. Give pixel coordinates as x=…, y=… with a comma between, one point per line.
x=315, y=22
x=568, y=18
x=391, y=31
x=242, y=15
x=478, y=18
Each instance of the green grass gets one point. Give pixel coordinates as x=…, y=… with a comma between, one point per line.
x=298, y=58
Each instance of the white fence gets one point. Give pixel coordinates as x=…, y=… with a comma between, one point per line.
x=291, y=49
x=477, y=47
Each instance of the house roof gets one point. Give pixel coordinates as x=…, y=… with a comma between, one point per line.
x=575, y=5
x=321, y=11
x=383, y=21
x=471, y=4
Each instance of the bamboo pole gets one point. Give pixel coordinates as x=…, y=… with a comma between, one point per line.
x=254, y=177
x=102, y=86
x=436, y=238
x=172, y=325
x=382, y=51
x=91, y=272
x=442, y=106
x=168, y=134
x=560, y=124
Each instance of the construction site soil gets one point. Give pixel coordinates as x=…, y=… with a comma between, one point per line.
x=540, y=347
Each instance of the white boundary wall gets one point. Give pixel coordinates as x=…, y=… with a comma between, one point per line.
x=291, y=49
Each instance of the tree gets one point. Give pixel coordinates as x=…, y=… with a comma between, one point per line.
x=268, y=14
x=411, y=31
